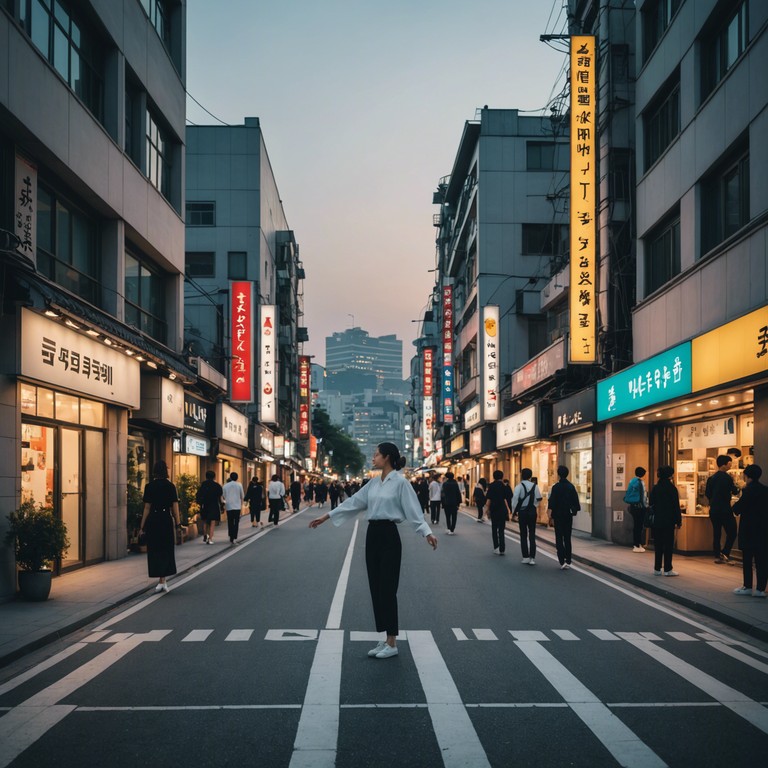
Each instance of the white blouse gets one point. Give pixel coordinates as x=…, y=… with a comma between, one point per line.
x=390, y=499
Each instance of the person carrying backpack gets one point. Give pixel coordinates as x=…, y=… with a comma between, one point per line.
x=525, y=500
x=636, y=498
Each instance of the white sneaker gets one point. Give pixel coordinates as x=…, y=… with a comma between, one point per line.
x=564, y=567
x=161, y=588
x=525, y=560
x=496, y=551
x=758, y=593
x=657, y=573
x=378, y=649
x=742, y=591
x=387, y=652
x=671, y=573
x=531, y=561
x=638, y=549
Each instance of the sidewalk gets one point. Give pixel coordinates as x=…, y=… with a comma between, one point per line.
x=82, y=596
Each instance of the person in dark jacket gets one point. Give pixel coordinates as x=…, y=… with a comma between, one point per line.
x=295, y=491
x=665, y=503
x=478, y=496
x=719, y=489
x=451, y=498
x=210, y=497
x=752, y=507
x=562, y=506
x=422, y=493
x=498, y=508
x=254, y=497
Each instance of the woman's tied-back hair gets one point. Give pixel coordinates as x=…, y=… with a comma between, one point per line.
x=160, y=470
x=391, y=451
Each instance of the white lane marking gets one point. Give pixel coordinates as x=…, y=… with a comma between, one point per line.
x=317, y=734
x=564, y=634
x=118, y=637
x=616, y=737
x=337, y=604
x=239, y=636
x=95, y=637
x=684, y=637
x=529, y=636
x=41, y=667
x=28, y=721
x=291, y=634
x=374, y=637
x=712, y=638
x=484, y=634
x=602, y=634
x=459, y=634
x=733, y=653
x=752, y=711
x=649, y=636
x=188, y=708
x=197, y=636
x=456, y=736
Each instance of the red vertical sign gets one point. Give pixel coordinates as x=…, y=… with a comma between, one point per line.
x=428, y=371
x=242, y=342
x=304, y=396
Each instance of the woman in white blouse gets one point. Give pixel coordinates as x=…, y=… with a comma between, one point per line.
x=388, y=500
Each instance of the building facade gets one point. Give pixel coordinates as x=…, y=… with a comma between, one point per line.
x=356, y=350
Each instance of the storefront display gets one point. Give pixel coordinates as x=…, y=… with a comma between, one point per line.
x=577, y=456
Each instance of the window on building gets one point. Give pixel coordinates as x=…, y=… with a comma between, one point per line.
x=159, y=17
x=656, y=17
x=200, y=264
x=468, y=364
x=725, y=198
x=133, y=114
x=662, y=253
x=722, y=48
x=159, y=150
x=70, y=46
x=145, y=297
x=237, y=266
x=661, y=121
x=201, y=214
x=540, y=155
x=620, y=174
x=545, y=239
x=67, y=245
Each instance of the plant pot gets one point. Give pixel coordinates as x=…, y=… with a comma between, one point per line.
x=35, y=586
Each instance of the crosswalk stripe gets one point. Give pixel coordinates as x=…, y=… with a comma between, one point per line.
x=603, y=634
x=456, y=737
x=616, y=737
x=529, y=636
x=738, y=655
x=459, y=634
x=239, y=635
x=485, y=634
x=197, y=636
x=564, y=634
x=683, y=637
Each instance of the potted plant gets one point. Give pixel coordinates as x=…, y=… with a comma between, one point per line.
x=186, y=487
x=135, y=503
x=39, y=539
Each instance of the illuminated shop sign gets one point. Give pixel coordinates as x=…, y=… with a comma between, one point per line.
x=490, y=333
x=197, y=446
x=472, y=417
x=242, y=342
x=446, y=394
x=736, y=350
x=267, y=365
x=426, y=426
x=195, y=415
x=517, y=428
x=583, y=268
x=574, y=411
x=656, y=380
x=428, y=358
x=232, y=425
x=304, y=416
x=540, y=368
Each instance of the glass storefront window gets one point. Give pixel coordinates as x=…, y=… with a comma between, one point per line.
x=92, y=413
x=67, y=408
x=577, y=456
x=37, y=462
x=47, y=404
x=28, y=399
x=44, y=403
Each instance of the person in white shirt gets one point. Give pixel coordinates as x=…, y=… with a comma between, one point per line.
x=435, y=498
x=233, y=495
x=525, y=502
x=387, y=500
x=276, y=499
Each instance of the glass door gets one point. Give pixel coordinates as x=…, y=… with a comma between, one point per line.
x=71, y=492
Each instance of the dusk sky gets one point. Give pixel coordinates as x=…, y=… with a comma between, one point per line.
x=362, y=105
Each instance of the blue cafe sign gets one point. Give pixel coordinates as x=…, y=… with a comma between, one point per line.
x=656, y=380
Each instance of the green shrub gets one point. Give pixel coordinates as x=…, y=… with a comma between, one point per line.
x=38, y=538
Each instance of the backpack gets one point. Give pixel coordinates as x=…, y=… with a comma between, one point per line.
x=632, y=496
x=531, y=505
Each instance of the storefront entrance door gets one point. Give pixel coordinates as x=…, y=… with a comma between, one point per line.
x=71, y=492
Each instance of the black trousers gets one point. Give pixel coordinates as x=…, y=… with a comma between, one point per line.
x=480, y=508
x=451, y=514
x=434, y=511
x=527, y=522
x=498, y=524
x=760, y=557
x=255, y=510
x=383, y=552
x=563, y=528
x=233, y=523
x=275, y=508
x=723, y=520
x=638, y=518
x=663, y=543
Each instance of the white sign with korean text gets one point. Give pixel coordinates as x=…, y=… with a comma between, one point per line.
x=517, y=428
x=716, y=433
x=490, y=356
x=57, y=356
x=426, y=426
x=268, y=364
x=472, y=417
x=233, y=425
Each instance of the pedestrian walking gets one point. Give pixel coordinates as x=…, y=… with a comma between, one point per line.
x=497, y=504
x=451, y=499
x=719, y=489
x=562, y=507
x=462, y=489
x=254, y=497
x=478, y=496
x=422, y=492
x=321, y=493
x=295, y=491
x=664, y=504
x=752, y=507
x=233, y=503
x=309, y=494
x=387, y=501
x=210, y=498
x=435, y=497
x=637, y=499
x=333, y=493
x=159, y=522
x=525, y=502
x=276, y=499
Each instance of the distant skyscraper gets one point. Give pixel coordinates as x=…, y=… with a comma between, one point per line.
x=356, y=350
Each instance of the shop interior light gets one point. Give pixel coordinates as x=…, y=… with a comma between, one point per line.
x=172, y=376
x=140, y=358
x=93, y=333
x=658, y=414
x=151, y=364
x=698, y=405
x=52, y=313
x=108, y=342
x=75, y=326
x=686, y=409
x=641, y=418
x=129, y=352
x=714, y=402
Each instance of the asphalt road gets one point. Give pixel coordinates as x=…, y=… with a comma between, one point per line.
x=260, y=658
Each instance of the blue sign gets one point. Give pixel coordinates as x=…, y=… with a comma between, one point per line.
x=656, y=380
x=447, y=394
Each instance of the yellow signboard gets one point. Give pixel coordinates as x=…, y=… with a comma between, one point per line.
x=735, y=351
x=583, y=288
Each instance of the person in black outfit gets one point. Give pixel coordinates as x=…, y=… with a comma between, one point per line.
x=478, y=496
x=254, y=497
x=333, y=494
x=753, y=531
x=719, y=489
x=210, y=498
x=665, y=502
x=451, y=501
x=498, y=507
x=562, y=506
x=422, y=493
x=159, y=522
x=295, y=491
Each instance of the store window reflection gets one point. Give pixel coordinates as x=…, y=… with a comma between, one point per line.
x=138, y=468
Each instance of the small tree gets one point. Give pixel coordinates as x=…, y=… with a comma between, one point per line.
x=38, y=537
x=187, y=486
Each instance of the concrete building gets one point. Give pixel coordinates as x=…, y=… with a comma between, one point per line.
x=356, y=350
x=92, y=111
